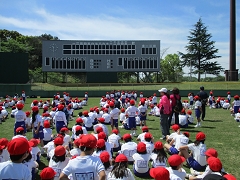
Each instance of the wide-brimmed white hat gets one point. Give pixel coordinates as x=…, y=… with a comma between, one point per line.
x=163, y=90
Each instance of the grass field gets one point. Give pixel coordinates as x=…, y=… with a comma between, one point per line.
x=221, y=130
x=143, y=86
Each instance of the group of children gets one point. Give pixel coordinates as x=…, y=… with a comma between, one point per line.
x=91, y=152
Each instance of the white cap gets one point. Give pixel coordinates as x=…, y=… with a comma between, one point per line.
x=163, y=90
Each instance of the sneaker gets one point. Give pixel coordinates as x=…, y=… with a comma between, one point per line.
x=140, y=127
x=134, y=134
x=194, y=172
x=121, y=127
x=162, y=138
x=197, y=125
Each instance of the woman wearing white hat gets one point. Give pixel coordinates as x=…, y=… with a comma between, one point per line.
x=165, y=111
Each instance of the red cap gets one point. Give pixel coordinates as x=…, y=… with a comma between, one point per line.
x=122, y=110
x=127, y=136
x=18, y=146
x=121, y=158
x=58, y=141
x=78, y=128
x=100, y=143
x=19, y=129
x=45, y=108
x=27, y=113
x=200, y=136
x=33, y=142
x=4, y=142
x=214, y=164
x=35, y=108
x=111, y=104
x=60, y=107
x=101, y=119
x=186, y=134
x=85, y=113
x=59, y=151
x=160, y=173
x=158, y=145
x=141, y=147
x=79, y=120
x=144, y=128
x=35, y=101
x=175, y=127
x=2, y=147
x=132, y=102
x=46, y=124
x=183, y=111
x=101, y=135
x=47, y=173
x=211, y=153
x=99, y=129
x=77, y=142
x=64, y=129
x=196, y=97
x=189, y=112
x=229, y=177
x=19, y=106
x=104, y=156
x=148, y=136
x=88, y=140
x=175, y=160
x=115, y=131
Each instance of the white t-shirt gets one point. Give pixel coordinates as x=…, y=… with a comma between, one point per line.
x=84, y=167
x=132, y=111
x=4, y=156
x=58, y=167
x=198, y=153
x=155, y=162
x=114, y=140
x=180, y=140
x=66, y=140
x=20, y=116
x=183, y=119
x=128, y=149
x=236, y=103
x=105, y=129
x=226, y=105
x=122, y=116
x=198, y=104
x=129, y=177
x=34, y=152
x=181, y=173
x=149, y=146
x=154, y=99
x=190, y=118
x=74, y=131
x=19, y=136
x=60, y=116
x=30, y=164
x=190, y=98
x=114, y=113
x=47, y=134
x=141, y=162
x=107, y=117
x=142, y=108
x=141, y=137
x=10, y=170
x=75, y=152
x=37, y=121
x=49, y=146
x=87, y=121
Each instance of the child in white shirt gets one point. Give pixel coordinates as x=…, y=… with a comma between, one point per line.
x=190, y=118
x=47, y=131
x=198, y=110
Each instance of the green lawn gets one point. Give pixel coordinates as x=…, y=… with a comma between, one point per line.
x=221, y=130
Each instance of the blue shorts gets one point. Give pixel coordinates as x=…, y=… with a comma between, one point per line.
x=191, y=103
x=173, y=150
x=143, y=118
x=131, y=122
x=195, y=165
x=184, y=126
x=89, y=128
x=197, y=113
x=19, y=124
x=40, y=134
x=123, y=101
x=235, y=108
x=210, y=102
x=59, y=125
x=141, y=175
x=126, y=127
x=115, y=123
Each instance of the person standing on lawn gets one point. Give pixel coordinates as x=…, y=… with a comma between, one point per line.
x=174, y=97
x=204, y=99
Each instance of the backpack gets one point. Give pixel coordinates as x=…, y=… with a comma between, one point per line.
x=178, y=107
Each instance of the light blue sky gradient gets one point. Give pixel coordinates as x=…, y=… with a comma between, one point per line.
x=169, y=21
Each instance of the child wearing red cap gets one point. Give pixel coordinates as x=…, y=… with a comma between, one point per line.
x=28, y=120
x=141, y=136
x=128, y=148
x=47, y=174
x=198, y=159
x=122, y=116
x=132, y=112
x=59, y=161
x=114, y=139
x=100, y=124
x=141, y=161
x=189, y=117
x=31, y=164
x=88, y=122
x=183, y=119
x=143, y=113
x=114, y=113
x=101, y=147
x=148, y=140
x=35, y=151
x=210, y=100
x=66, y=137
x=76, y=151
x=85, y=166
x=60, y=118
x=20, y=118
x=14, y=110
x=47, y=132
x=79, y=122
x=198, y=110
x=215, y=165
x=19, y=150
x=175, y=162
x=236, y=104
x=120, y=169
x=105, y=158
x=161, y=173
x=190, y=97
x=158, y=156
x=106, y=116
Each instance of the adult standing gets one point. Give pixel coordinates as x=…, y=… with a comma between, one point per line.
x=165, y=111
x=174, y=97
x=204, y=98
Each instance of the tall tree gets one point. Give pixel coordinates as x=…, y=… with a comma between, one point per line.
x=200, y=51
x=171, y=68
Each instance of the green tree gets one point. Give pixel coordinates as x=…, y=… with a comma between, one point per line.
x=171, y=69
x=200, y=51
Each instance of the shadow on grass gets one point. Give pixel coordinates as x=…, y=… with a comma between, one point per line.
x=191, y=130
x=153, y=128
x=208, y=127
x=213, y=120
x=151, y=120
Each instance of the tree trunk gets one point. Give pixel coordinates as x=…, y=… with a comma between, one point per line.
x=199, y=70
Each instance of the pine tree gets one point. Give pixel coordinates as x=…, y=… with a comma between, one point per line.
x=200, y=51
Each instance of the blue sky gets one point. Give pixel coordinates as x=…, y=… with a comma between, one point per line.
x=168, y=21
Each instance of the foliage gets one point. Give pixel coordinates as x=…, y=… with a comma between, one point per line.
x=200, y=50
x=171, y=69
